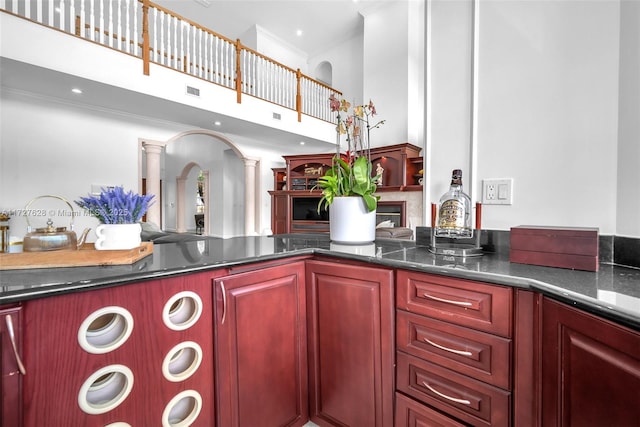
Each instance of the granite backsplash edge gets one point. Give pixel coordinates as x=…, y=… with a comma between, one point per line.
x=624, y=251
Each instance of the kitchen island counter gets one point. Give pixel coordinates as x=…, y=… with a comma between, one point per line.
x=613, y=292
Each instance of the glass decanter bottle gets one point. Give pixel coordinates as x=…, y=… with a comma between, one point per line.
x=454, y=210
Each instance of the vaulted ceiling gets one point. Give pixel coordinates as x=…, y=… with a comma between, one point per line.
x=323, y=23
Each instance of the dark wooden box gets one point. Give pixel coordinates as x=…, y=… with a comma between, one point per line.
x=564, y=247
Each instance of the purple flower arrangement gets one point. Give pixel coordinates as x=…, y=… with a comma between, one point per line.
x=115, y=206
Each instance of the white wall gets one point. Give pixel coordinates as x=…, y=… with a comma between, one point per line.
x=628, y=206
x=450, y=46
x=346, y=61
x=548, y=109
x=385, y=80
x=272, y=46
x=50, y=147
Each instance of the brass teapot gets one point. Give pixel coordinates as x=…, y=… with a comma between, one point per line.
x=51, y=238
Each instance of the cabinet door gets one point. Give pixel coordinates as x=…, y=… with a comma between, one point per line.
x=279, y=214
x=350, y=312
x=590, y=370
x=139, y=354
x=11, y=390
x=261, y=348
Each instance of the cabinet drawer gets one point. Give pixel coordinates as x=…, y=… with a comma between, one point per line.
x=463, y=302
x=477, y=354
x=410, y=413
x=464, y=398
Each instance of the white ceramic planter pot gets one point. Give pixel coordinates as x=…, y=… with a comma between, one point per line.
x=118, y=236
x=350, y=222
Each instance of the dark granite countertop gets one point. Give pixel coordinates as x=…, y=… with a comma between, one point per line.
x=613, y=292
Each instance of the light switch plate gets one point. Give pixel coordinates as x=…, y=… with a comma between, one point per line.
x=497, y=191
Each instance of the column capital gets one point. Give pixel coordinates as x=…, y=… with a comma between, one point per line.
x=249, y=162
x=154, y=147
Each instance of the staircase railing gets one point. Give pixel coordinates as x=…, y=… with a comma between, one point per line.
x=157, y=35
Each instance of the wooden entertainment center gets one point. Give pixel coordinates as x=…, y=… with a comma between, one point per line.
x=294, y=200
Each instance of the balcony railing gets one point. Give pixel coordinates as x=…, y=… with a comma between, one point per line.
x=157, y=35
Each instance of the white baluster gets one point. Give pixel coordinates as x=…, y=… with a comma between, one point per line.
x=251, y=78
x=135, y=35
x=50, y=9
x=175, y=41
x=207, y=55
x=83, y=32
x=182, y=30
x=243, y=67
x=38, y=10
x=227, y=64
x=189, y=49
x=72, y=17
x=158, y=49
x=110, y=29
x=216, y=60
x=61, y=16
x=101, y=23
x=281, y=85
x=231, y=60
x=127, y=37
x=275, y=84
x=27, y=10
x=92, y=27
x=119, y=25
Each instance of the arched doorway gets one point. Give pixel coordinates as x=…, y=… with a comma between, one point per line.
x=193, y=201
x=324, y=73
x=227, y=169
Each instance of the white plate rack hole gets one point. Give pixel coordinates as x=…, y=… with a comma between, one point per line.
x=105, y=389
x=182, y=410
x=182, y=361
x=182, y=310
x=105, y=329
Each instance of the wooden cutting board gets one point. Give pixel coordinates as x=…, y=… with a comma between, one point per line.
x=86, y=256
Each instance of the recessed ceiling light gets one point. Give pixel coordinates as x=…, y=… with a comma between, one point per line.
x=76, y=90
x=298, y=33
x=301, y=142
x=217, y=123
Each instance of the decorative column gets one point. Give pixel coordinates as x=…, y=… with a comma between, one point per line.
x=181, y=186
x=152, y=151
x=249, y=197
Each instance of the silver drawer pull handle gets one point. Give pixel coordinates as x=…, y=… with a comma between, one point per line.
x=224, y=302
x=464, y=303
x=12, y=337
x=450, y=350
x=453, y=399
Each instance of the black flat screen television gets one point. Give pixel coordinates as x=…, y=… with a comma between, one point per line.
x=306, y=209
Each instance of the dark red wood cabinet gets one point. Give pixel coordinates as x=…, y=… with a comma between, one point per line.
x=454, y=342
x=261, y=348
x=590, y=370
x=11, y=389
x=139, y=354
x=351, y=351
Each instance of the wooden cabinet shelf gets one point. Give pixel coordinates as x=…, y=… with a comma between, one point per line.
x=294, y=196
